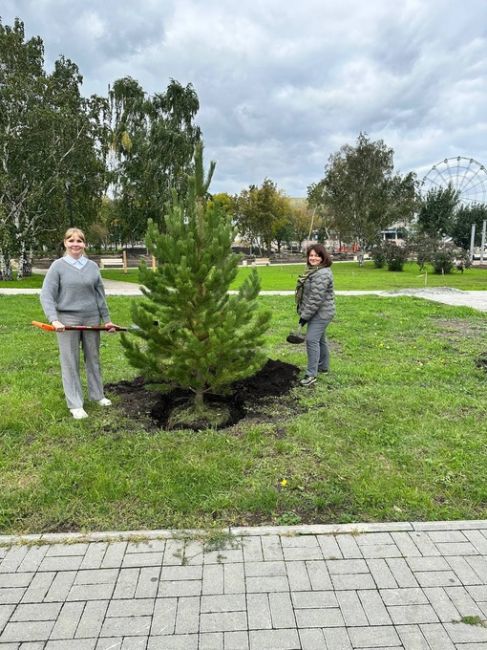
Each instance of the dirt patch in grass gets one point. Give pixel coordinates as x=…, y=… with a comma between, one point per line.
x=248, y=397
x=459, y=326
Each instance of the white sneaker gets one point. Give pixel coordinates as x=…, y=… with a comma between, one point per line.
x=104, y=402
x=79, y=414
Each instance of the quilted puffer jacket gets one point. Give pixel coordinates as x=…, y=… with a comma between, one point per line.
x=318, y=296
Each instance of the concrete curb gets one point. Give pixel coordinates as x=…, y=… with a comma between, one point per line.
x=262, y=531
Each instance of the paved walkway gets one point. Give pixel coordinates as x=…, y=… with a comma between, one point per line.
x=405, y=585
x=475, y=299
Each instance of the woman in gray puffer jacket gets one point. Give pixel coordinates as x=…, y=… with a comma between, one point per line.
x=315, y=299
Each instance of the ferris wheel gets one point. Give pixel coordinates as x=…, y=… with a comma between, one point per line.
x=466, y=175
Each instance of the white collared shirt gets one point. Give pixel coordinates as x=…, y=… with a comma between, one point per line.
x=77, y=263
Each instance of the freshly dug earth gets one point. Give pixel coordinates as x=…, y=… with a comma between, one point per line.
x=140, y=401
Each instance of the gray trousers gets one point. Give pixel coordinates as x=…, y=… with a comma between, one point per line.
x=69, y=351
x=317, y=347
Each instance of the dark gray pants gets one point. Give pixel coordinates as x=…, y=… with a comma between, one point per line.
x=70, y=343
x=317, y=347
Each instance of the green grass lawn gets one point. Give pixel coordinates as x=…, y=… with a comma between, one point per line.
x=349, y=276
x=397, y=431
x=32, y=282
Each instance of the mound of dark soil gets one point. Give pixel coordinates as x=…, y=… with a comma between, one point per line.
x=140, y=402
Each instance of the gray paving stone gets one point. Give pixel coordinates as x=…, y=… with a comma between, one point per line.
x=282, y=613
x=235, y=641
x=179, y=588
x=223, y=603
x=27, y=631
x=374, y=608
x=351, y=581
x=114, y=555
x=412, y=637
x=464, y=548
x=412, y=614
x=479, y=565
x=67, y=621
x=94, y=555
x=382, y=574
x=38, y=588
x=59, y=588
x=164, y=617
x=449, y=536
x=33, y=558
x=10, y=580
x=312, y=639
x=314, y=599
x=13, y=559
x=463, y=633
x=125, y=608
x=96, y=577
x=224, y=556
x=424, y=544
x=91, y=592
x=478, y=540
x=337, y=638
x=181, y=642
x=318, y=575
x=326, y=617
x=252, y=549
x=338, y=567
x=437, y=579
x=302, y=553
x=463, y=571
x=174, y=552
x=223, y=622
x=91, y=620
x=233, y=579
x=148, y=583
x=405, y=544
x=78, y=644
x=110, y=643
x=212, y=579
x=401, y=572
x=11, y=596
x=348, y=546
x=142, y=560
x=297, y=575
x=5, y=613
x=428, y=564
x=193, y=552
x=274, y=640
x=478, y=593
x=410, y=596
x=211, y=641
x=265, y=569
x=374, y=637
x=351, y=608
x=271, y=548
x=146, y=546
x=442, y=604
x=187, y=618
x=126, y=626
x=380, y=551
x=134, y=643
x=37, y=612
x=463, y=601
x=66, y=550
x=374, y=539
x=61, y=563
x=126, y=585
x=329, y=547
x=267, y=584
x=258, y=612
x=182, y=573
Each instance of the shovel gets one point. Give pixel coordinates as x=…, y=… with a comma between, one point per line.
x=296, y=336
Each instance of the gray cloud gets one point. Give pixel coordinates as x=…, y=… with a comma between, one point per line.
x=281, y=88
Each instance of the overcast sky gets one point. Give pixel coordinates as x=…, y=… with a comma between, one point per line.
x=284, y=85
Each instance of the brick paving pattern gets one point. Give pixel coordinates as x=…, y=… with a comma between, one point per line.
x=412, y=586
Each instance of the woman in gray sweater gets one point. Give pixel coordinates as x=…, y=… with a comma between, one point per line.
x=315, y=299
x=73, y=294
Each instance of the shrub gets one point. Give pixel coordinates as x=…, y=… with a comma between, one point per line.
x=378, y=255
x=443, y=261
x=396, y=256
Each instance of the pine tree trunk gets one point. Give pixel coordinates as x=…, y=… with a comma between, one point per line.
x=199, y=399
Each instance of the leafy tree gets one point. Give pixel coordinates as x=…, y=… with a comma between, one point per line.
x=196, y=336
x=362, y=192
x=437, y=211
x=51, y=148
x=396, y=256
x=443, y=261
x=263, y=215
x=463, y=220
x=425, y=247
x=153, y=144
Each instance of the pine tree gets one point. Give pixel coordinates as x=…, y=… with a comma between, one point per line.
x=196, y=335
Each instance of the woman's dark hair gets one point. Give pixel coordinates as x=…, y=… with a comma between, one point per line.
x=320, y=250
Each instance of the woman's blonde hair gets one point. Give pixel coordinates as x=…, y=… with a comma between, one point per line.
x=74, y=231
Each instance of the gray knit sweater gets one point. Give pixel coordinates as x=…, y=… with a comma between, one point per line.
x=74, y=294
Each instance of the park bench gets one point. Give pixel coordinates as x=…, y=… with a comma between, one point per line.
x=260, y=261
x=118, y=262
